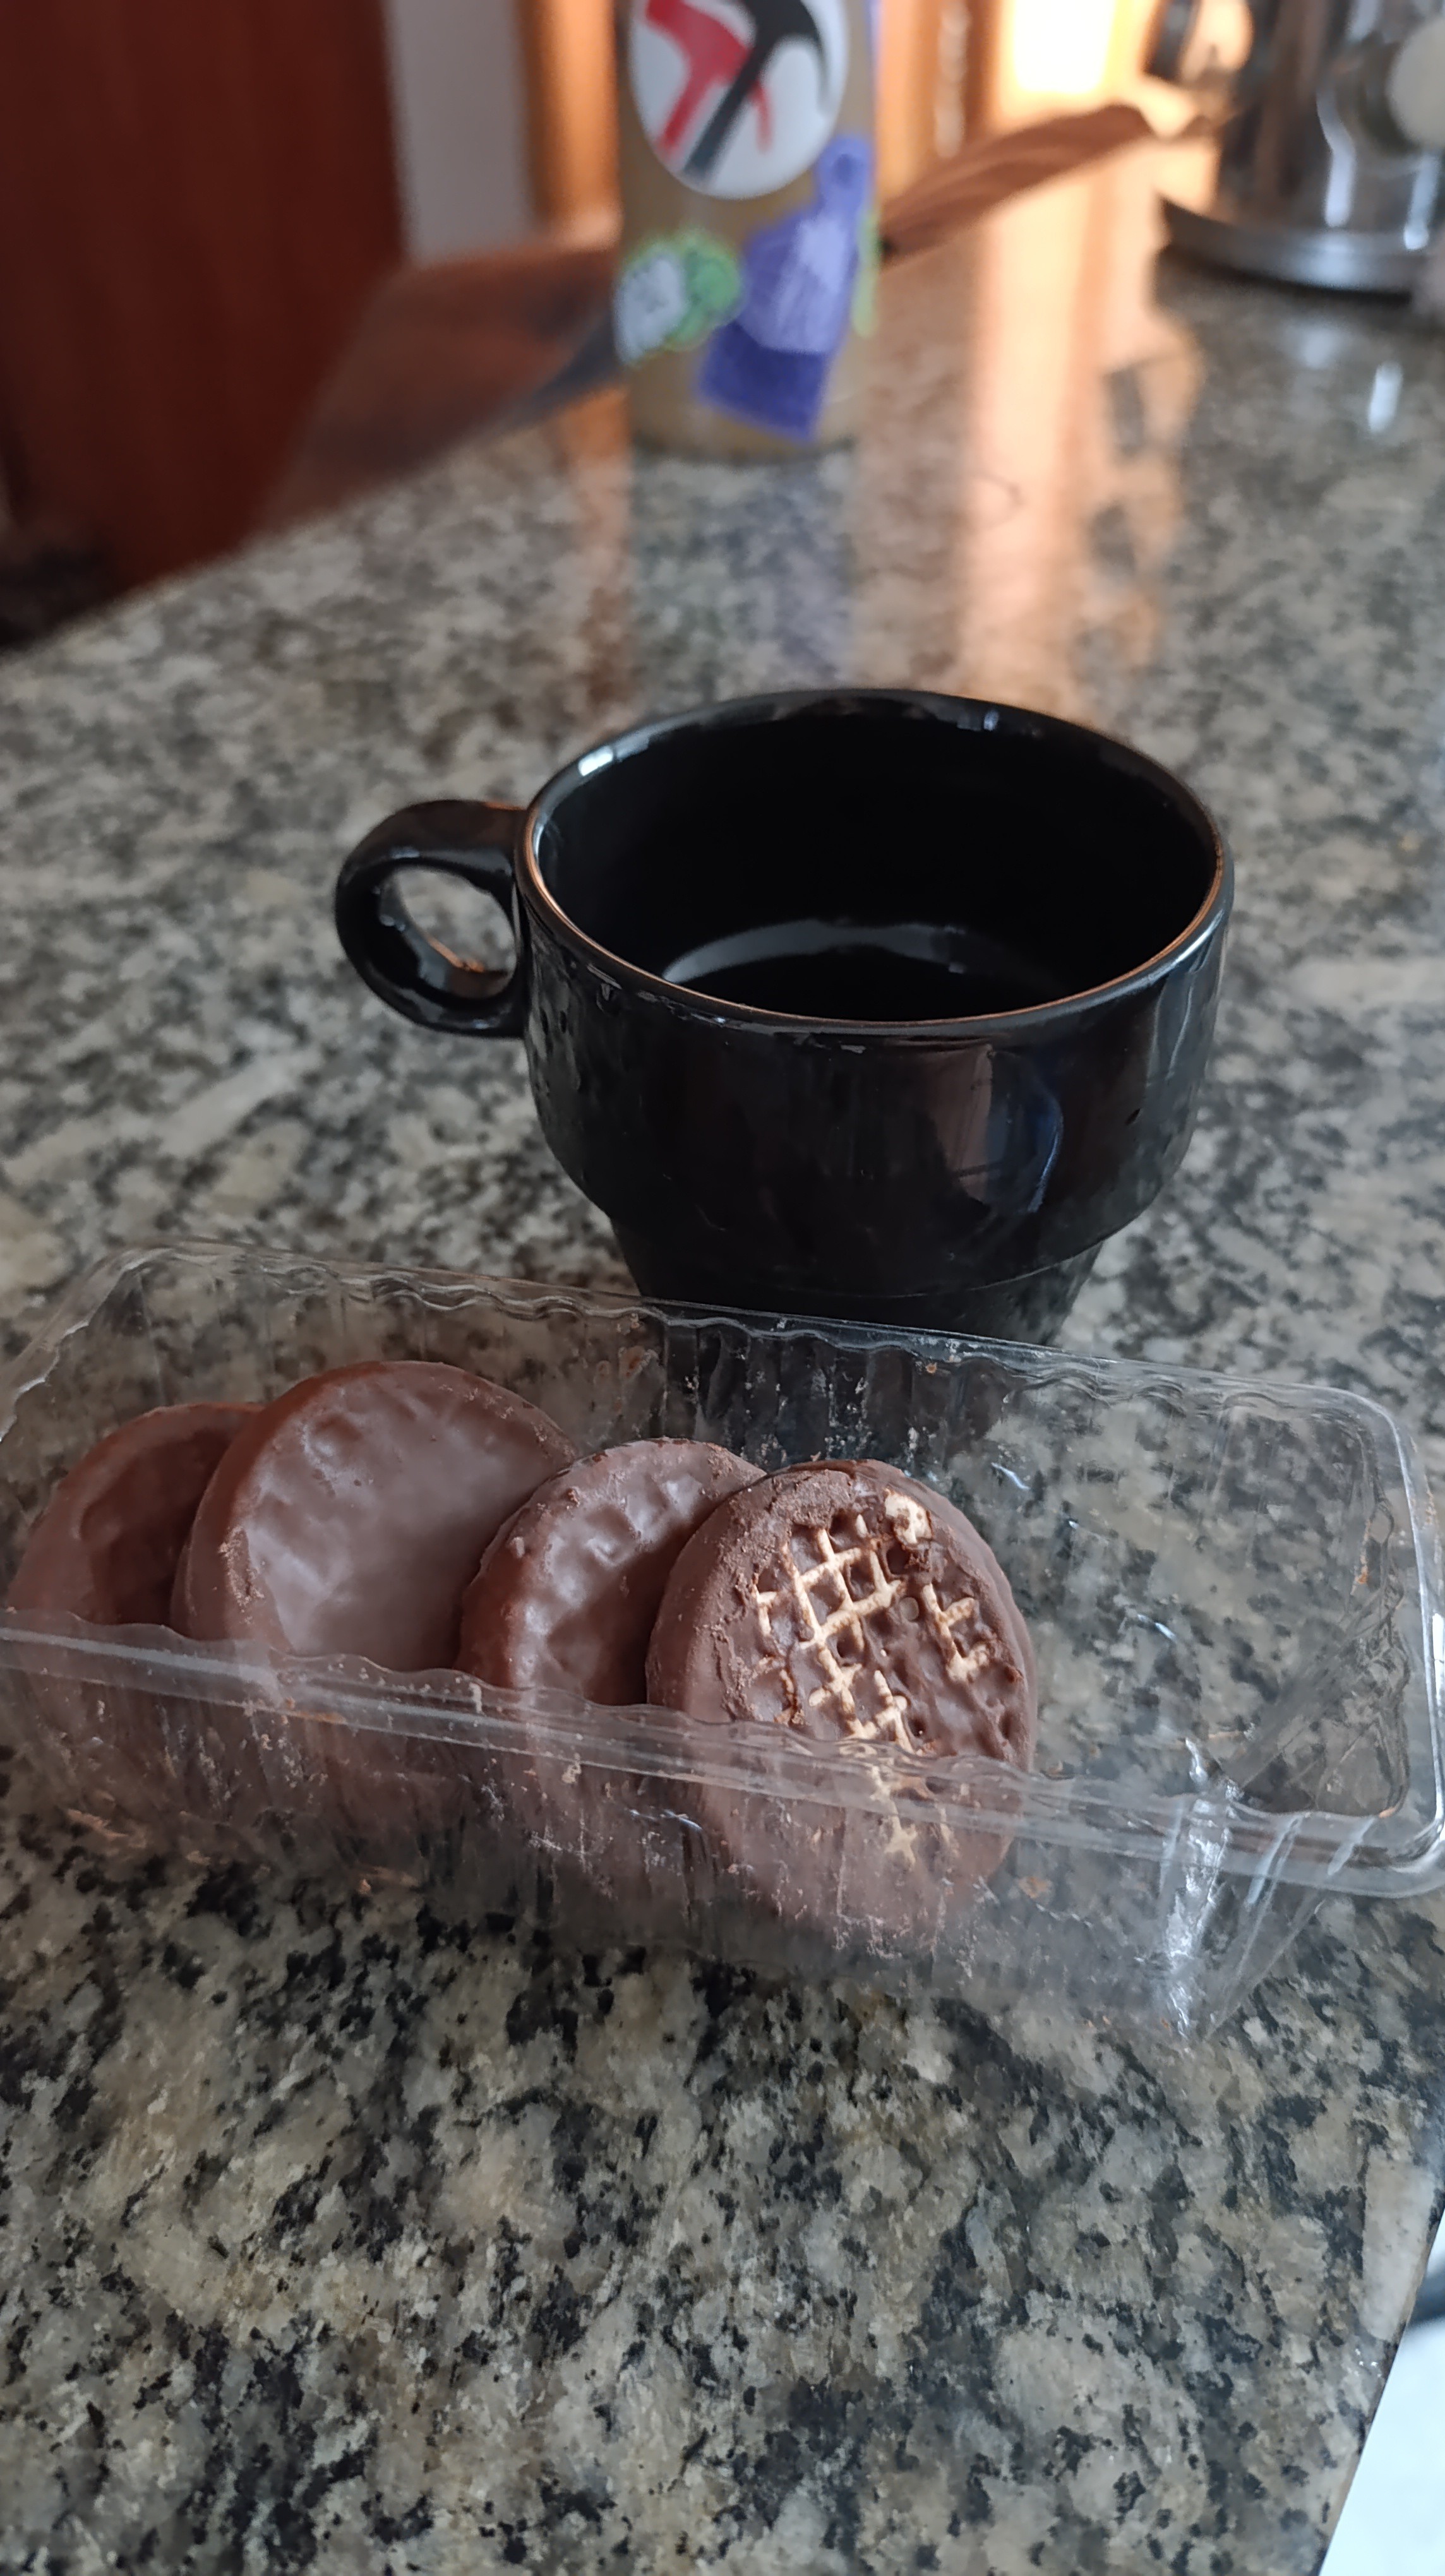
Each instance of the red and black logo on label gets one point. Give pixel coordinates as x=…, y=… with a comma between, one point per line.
x=737, y=97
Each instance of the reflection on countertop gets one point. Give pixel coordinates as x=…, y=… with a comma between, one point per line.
x=342, y=2234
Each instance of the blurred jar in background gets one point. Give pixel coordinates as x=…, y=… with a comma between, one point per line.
x=748, y=261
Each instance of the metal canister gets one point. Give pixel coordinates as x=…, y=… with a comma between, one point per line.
x=747, y=273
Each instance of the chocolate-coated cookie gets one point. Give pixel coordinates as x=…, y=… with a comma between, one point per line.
x=105, y=1550
x=845, y=1601
x=567, y=1593
x=351, y=1514
x=846, y=1605
x=348, y=1521
x=564, y=1602
x=108, y=1542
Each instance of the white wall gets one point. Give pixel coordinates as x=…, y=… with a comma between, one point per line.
x=459, y=108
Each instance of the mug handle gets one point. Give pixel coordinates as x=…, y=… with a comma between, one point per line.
x=454, y=837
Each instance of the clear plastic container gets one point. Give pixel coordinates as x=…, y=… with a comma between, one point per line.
x=1233, y=1589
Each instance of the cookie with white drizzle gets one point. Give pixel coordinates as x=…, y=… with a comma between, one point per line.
x=847, y=1604
x=844, y=1600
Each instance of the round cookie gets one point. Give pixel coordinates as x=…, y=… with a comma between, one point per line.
x=351, y=1514
x=564, y=1601
x=105, y=1550
x=844, y=1601
x=849, y=1606
x=566, y=1595
x=106, y=1547
x=348, y=1520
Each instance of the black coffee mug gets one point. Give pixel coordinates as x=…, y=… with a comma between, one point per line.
x=853, y=1003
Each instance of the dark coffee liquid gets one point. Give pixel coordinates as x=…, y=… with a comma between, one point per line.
x=845, y=970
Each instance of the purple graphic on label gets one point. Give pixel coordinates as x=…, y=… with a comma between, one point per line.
x=770, y=365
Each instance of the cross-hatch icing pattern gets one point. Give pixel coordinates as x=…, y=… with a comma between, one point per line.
x=846, y=1617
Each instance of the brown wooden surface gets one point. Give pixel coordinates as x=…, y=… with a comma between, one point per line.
x=568, y=54
x=915, y=113
x=441, y=350
x=196, y=199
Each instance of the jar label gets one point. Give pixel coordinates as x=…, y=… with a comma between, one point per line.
x=738, y=97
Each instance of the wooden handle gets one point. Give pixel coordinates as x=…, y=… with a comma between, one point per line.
x=983, y=174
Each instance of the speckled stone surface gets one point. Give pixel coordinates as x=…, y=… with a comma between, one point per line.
x=341, y=2235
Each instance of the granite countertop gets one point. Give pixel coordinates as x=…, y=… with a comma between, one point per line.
x=336, y=2235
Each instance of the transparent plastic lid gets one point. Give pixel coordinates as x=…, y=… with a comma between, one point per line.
x=1233, y=1589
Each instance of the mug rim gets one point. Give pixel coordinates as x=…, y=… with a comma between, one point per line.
x=968, y=715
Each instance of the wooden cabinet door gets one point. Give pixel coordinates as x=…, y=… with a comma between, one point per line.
x=196, y=197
